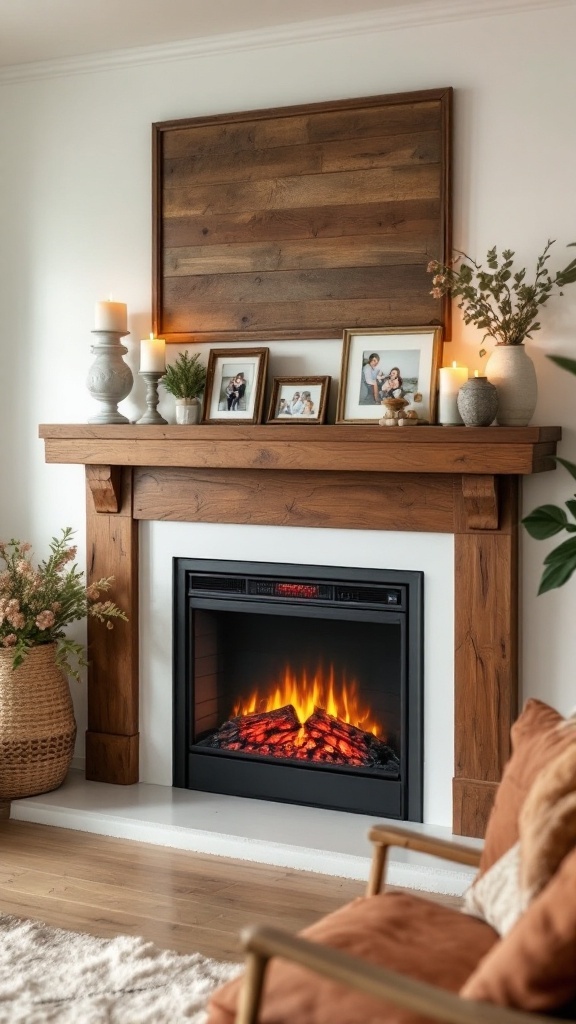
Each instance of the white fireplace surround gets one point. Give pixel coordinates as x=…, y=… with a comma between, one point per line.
x=430, y=553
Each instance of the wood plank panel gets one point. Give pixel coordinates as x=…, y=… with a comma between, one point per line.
x=252, y=164
x=388, y=184
x=294, y=287
x=282, y=172
x=394, y=221
x=334, y=500
x=369, y=251
x=213, y=321
x=370, y=117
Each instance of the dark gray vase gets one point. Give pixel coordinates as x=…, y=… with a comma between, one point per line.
x=477, y=402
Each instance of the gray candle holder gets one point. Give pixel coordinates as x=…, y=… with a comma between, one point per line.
x=152, y=397
x=109, y=378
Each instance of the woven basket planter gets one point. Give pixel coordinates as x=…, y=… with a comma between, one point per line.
x=37, y=726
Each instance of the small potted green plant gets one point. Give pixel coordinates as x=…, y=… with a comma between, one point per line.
x=186, y=379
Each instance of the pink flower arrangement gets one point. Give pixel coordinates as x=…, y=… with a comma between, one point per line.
x=36, y=603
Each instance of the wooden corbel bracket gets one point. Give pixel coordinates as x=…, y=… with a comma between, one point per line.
x=104, y=483
x=480, y=501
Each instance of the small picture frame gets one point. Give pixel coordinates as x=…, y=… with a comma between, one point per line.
x=235, y=381
x=388, y=362
x=299, y=400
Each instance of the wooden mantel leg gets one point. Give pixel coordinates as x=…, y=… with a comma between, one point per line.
x=486, y=642
x=112, y=550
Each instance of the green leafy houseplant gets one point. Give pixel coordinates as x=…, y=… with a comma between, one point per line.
x=496, y=299
x=548, y=520
x=36, y=603
x=186, y=377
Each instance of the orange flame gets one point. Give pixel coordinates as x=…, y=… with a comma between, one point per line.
x=307, y=692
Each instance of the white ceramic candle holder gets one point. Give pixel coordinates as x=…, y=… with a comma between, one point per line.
x=109, y=378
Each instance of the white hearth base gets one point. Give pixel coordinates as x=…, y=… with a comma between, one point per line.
x=283, y=835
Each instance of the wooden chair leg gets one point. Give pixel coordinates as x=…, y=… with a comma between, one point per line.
x=377, y=869
x=4, y=810
x=252, y=988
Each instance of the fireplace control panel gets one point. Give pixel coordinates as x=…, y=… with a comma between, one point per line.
x=272, y=588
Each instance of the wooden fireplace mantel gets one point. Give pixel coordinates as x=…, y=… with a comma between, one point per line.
x=458, y=480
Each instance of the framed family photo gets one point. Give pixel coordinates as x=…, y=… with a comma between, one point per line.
x=388, y=362
x=299, y=400
x=235, y=385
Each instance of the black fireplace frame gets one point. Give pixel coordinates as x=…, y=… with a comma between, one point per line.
x=201, y=768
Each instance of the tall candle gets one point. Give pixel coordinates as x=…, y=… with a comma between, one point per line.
x=111, y=316
x=153, y=354
x=451, y=379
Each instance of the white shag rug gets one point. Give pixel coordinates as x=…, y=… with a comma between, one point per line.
x=52, y=976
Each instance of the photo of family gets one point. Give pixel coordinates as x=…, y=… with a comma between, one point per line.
x=235, y=385
x=379, y=379
x=388, y=363
x=235, y=388
x=299, y=399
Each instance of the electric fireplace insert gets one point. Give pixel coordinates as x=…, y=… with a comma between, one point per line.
x=301, y=684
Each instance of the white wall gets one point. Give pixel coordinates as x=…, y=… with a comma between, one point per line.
x=75, y=215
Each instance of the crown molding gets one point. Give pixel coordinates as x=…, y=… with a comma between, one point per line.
x=401, y=15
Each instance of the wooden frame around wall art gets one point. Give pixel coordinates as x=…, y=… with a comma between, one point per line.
x=299, y=400
x=235, y=381
x=388, y=362
x=292, y=222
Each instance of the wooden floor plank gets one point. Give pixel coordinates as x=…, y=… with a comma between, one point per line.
x=179, y=900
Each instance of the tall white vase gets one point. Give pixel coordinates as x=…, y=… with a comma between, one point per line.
x=511, y=369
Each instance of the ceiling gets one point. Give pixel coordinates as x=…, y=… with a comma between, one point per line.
x=39, y=30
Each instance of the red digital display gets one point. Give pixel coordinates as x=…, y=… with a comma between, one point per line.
x=296, y=590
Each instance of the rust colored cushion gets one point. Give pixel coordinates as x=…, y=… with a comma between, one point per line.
x=533, y=967
x=400, y=931
x=538, y=734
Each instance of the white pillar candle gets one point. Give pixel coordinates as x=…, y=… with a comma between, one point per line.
x=153, y=354
x=111, y=316
x=451, y=379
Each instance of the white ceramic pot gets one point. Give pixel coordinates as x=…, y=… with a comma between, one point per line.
x=511, y=369
x=187, y=410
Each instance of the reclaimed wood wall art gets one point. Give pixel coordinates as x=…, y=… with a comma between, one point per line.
x=298, y=222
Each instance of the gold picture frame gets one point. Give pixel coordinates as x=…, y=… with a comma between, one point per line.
x=388, y=362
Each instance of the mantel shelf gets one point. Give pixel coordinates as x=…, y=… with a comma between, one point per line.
x=352, y=448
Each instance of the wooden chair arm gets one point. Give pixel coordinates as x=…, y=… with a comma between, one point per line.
x=261, y=943
x=385, y=836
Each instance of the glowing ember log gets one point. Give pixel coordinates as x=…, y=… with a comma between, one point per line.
x=323, y=739
x=258, y=729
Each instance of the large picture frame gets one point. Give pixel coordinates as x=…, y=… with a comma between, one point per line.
x=235, y=380
x=388, y=362
x=292, y=222
x=298, y=400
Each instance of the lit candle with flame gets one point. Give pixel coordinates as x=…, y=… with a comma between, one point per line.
x=451, y=379
x=153, y=354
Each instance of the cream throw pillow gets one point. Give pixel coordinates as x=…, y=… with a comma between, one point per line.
x=497, y=897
